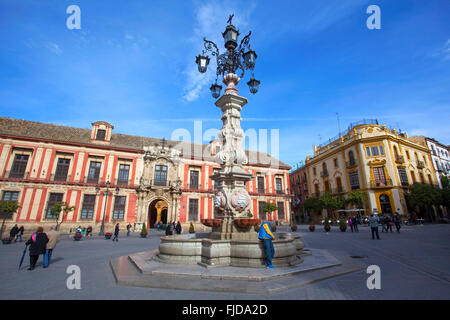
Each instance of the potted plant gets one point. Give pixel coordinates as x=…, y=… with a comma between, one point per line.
x=144, y=231
x=7, y=240
x=294, y=226
x=191, y=228
x=7, y=209
x=326, y=224
x=343, y=224
x=312, y=226
x=108, y=235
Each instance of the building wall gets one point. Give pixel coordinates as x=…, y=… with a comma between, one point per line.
x=38, y=183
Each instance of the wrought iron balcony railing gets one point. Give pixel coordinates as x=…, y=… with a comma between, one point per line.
x=381, y=183
x=350, y=164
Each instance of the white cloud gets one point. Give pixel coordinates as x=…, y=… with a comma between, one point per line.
x=53, y=47
x=443, y=52
x=211, y=19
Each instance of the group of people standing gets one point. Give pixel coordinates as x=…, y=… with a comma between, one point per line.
x=171, y=227
x=386, y=223
x=17, y=233
x=353, y=223
x=42, y=243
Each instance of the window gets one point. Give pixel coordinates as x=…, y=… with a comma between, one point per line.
x=194, y=178
x=413, y=177
x=316, y=189
x=407, y=154
x=193, y=209
x=375, y=151
x=351, y=156
x=10, y=196
x=261, y=185
x=339, y=184
x=160, y=175
x=281, y=215
x=403, y=176
x=261, y=213
x=368, y=151
x=380, y=178
x=119, y=207
x=101, y=134
x=54, y=198
x=94, y=172
x=314, y=171
x=430, y=181
x=335, y=163
x=87, y=212
x=422, y=180
x=19, y=166
x=278, y=186
x=354, y=180
x=381, y=150
x=62, y=168
x=124, y=170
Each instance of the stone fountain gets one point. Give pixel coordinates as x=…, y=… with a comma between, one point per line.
x=233, y=240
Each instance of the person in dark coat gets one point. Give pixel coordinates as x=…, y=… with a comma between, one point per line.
x=116, y=233
x=178, y=228
x=37, y=242
x=169, y=229
x=20, y=233
x=397, y=222
x=14, y=231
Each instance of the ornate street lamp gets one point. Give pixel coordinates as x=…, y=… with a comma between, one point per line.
x=236, y=57
x=106, y=194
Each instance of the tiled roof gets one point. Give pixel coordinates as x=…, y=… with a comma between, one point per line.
x=64, y=134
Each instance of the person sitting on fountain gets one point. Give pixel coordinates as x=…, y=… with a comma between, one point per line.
x=266, y=235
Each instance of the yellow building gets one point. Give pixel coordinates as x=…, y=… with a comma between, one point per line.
x=372, y=158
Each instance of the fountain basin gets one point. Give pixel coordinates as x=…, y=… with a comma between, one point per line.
x=200, y=249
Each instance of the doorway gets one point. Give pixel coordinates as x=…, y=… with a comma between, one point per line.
x=157, y=211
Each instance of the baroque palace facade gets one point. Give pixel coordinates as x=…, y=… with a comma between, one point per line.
x=367, y=157
x=121, y=178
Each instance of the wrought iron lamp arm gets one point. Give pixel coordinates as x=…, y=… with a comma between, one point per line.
x=210, y=46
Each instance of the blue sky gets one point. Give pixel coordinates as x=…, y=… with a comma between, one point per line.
x=132, y=64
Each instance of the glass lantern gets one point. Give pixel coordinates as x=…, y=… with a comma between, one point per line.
x=202, y=62
x=230, y=36
x=253, y=85
x=215, y=90
x=249, y=59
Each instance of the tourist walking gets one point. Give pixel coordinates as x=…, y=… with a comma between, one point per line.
x=266, y=236
x=382, y=219
x=37, y=242
x=53, y=238
x=14, y=231
x=397, y=222
x=20, y=233
x=373, y=222
x=389, y=223
x=116, y=233
x=128, y=229
x=355, y=222
x=178, y=228
x=350, y=223
x=158, y=225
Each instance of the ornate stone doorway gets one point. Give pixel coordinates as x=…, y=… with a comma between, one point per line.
x=157, y=211
x=385, y=204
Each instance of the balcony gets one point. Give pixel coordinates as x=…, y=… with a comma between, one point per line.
x=399, y=159
x=337, y=190
x=324, y=173
x=261, y=190
x=92, y=180
x=60, y=178
x=121, y=182
x=15, y=175
x=351, y=164
x=420, y=164
x=194, y=187
x=381, y=183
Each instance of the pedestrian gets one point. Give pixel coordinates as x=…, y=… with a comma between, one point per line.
x=173, y=225
x=169, y=229
x=266, y=236
x=397, y=222
x=89, y=231
x=116, y=233
x=373, y=221
x=20, y=233
x=355, y=222
x=128, y=230
x=53, y=238
x=383, y=223
x=14, y=231
x=37, y=242
x=158, y=225
x=350, y=223
x=388, y=223
x=178, y=227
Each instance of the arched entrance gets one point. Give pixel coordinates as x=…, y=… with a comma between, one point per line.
x=385, y=204
x=157, y=211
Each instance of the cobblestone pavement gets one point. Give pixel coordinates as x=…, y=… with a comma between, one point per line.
x=415, y=264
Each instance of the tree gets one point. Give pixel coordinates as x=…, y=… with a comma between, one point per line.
x=445, y=182
x=313, y=204
x=7, y=209
x=423, y=197
x=270, y=207
x=358, y=198
x=331, y=202
x=59, y=207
